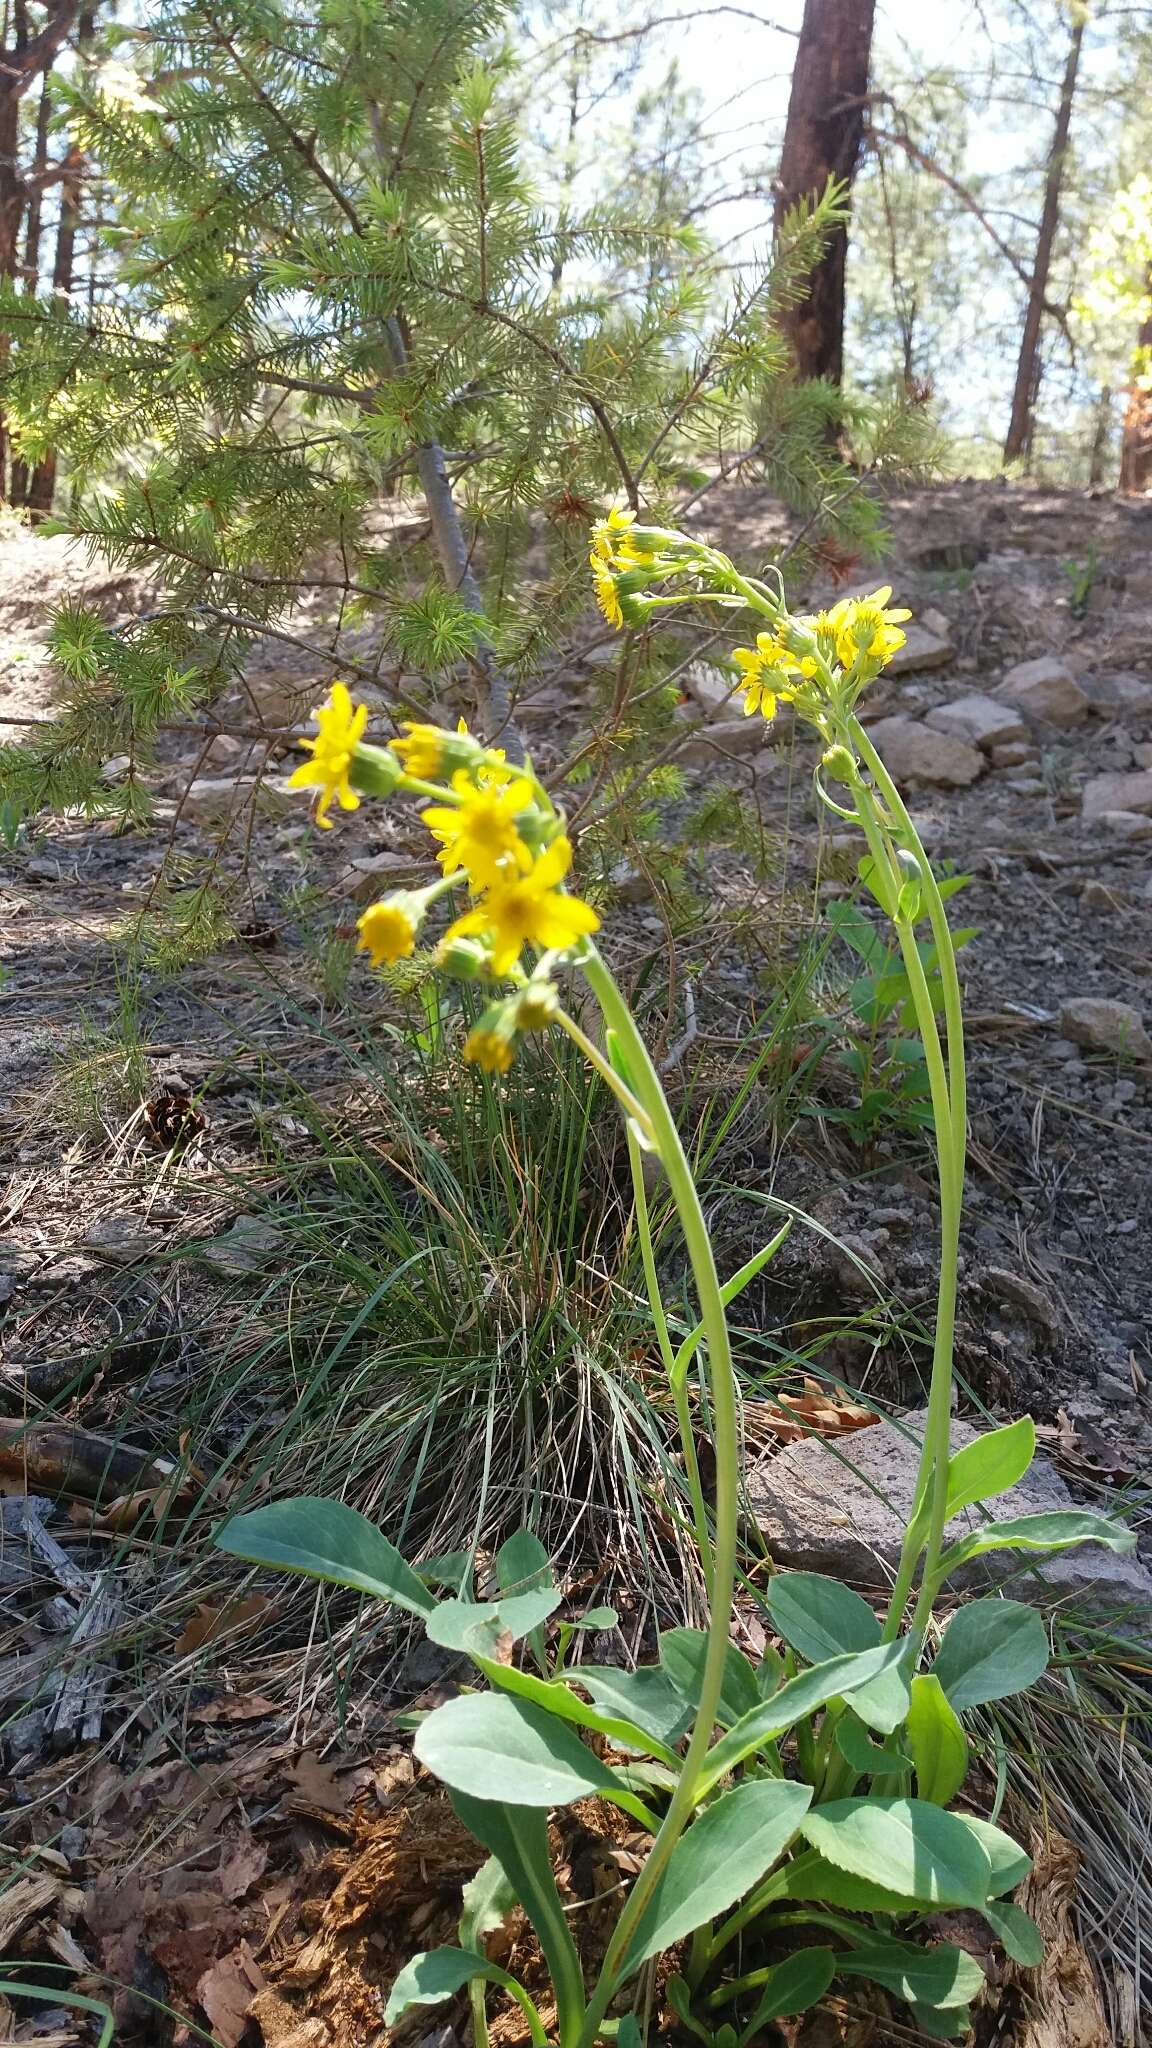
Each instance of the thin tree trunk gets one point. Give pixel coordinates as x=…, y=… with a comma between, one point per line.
x=1136, y=439
x=1020, y=428
x=42, y=487
x=822, y=140
x=19, y=490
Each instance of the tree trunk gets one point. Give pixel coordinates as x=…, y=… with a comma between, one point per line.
x=19, y=489
x=42, y=487
x=821, y=141
x=1020, y=429
x=1136, y=439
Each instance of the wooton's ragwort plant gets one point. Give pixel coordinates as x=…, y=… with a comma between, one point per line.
x=810, y=1835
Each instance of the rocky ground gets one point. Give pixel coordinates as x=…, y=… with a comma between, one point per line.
x=1018, y=722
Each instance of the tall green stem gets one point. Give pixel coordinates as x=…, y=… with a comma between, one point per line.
x=726, y=1430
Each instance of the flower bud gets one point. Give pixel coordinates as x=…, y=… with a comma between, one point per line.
x=462, y=959
x=537, y=1006
x=838, y=763
x=374, y=771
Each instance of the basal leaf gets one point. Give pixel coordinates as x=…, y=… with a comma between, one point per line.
x=1008, y=1862
x=821, y=1617
x=1016, y=1931
x=719, y=1858
x=905, y=1845
x=812, y=1878
x=326, y=1540
x=795, y=1984
x=502, y=1750
x=937, y=1742
x=645, y=1697
x=835, y=1678
x=523, y=1565
x=1046, y=1533
x=943, y=1976
x=857, y=1748
x=436, y=1974
x=682, y=1655
x=477, y=1624
x=991, y=1648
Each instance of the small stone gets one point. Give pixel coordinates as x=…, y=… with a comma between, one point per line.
x=722, y=736
x=1046, y=689
x=922, y=649
x=843, y=1511
x=123, y=1238
x=630, y=883
x=1098, y=896
x=1022, y=1293
x=1115, y=695
x=1013, y=754
x=1105, y=1026
x=1127, y=792
x=981, y=720
x=1128, y=825
x=247, y=1247
x=716, y=690
x=366, y=879
x=916, y=753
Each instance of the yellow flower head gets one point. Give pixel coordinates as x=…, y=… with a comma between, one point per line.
x=607, y=534
x=530, y=910
x=607, y=596
x=340, y=728
x=862, y=626
x=430, y=752
x=479, y=833
x=769, y=657
x=388, y=929
x=491, y=1043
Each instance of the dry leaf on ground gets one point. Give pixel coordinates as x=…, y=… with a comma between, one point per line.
x=818, y=1411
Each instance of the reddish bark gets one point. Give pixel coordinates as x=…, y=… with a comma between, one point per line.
x=1136, y=440
x=821, y=141
x=1019, y=438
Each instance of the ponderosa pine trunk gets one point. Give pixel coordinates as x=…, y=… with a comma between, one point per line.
x=1136, y=439
x=822, y=140
x=19, y=485
x=1018, y=444
x=42, y=486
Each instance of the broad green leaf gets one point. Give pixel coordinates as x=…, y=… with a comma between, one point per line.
x=719, y=1858
x=857, y=1748
x=523, y=1565
x=937, y=1742
x=795, y=1984
x=487, y=1901
x=1058, y=1531
x=811, y=1878
x=682, y=1654
x=502, y=1750
x=556, y=1697
x=596, y=1617
x=1008, y=1862
x=948, y=2024
x=837, y=1677
x=905, y=1845
x=991, y=1465
x=436, y=1974
x=991, y=1648
x=326, y=1540
x=943, y=1976
x=820, y=1617
x=628, y=2033
x=451, y=1568
x=477, y=1624
x=1016, y=1931
x=517, y=1837
x=644, y=1697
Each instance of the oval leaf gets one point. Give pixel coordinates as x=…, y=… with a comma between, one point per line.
x=868, y=1757
x=837, y=1677
x=905, y=1845
x=478, y=1624
x=1058, y=1531
x=682, y=1655
x=719, y=1858
x=1008, y=1862
x=794, y=1985
x=991, y=1648
x=501, y=1749
x=811, y=1878
x=942, y=1976
x=644, y=1697
x=938, y=1745
x=820, y=1617
x=435, y=1974
x=1016, y=1931
x=326, y=1540
x=993, y=1464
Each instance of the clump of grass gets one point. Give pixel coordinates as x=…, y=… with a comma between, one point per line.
x=105, y=1070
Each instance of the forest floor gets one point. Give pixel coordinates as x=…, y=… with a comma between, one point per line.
x=205, y=1820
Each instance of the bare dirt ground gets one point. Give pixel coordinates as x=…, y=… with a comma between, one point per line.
x=140, y=1831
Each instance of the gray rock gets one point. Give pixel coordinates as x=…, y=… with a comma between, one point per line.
x=1105, y=1026
x=123, y=1238
x=716, y=690
x=1115, y=695
x=917, y=753
x=1130, y=792
x=1020, y=1292
x=922, y=649
x=843, y=1511
x=721, y=736
x=1012, y=755
x=981, y=720
x=1046, y=689
x=379, y=873
x=247, y=1247
x=1127, y=825
x=212, y=799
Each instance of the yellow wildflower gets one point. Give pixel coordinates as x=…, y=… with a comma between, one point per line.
x=863, y=626
x=607, y=596
x=493, y=1051
x=423, y=751
x=479, y=832
x=530, y=910
x=388, y=929
x=768, y=657
x=340, y=728
x=607, y=534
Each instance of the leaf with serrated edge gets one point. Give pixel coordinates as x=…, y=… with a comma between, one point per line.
x=905, y=1845
x=1040, y=1533
x=719, y=1858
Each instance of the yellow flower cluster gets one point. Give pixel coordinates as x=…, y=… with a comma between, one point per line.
x=859, y=635
x=497, y=834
